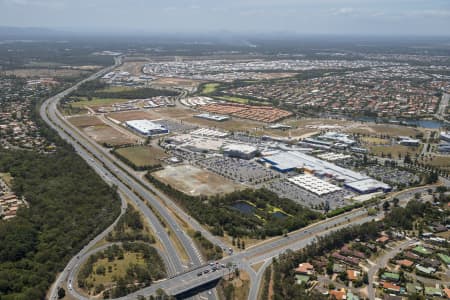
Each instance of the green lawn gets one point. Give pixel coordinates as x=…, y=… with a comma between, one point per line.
x=7, y=178
x=97, y=102
x=210, y=88
x=143, y=155
x=118, y=268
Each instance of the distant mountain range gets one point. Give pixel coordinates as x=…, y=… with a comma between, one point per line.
x=25, y=33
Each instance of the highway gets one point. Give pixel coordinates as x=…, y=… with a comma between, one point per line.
x=105, y=169
x=131, y=186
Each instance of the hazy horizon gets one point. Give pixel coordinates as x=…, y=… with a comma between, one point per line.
x=295, y=17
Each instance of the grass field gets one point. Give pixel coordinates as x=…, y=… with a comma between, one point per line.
x=395, y=150
x=97, y=102
x=7, y=178
x=106, y=134
x=441, y=161
x=118, y=267
x=385, y=129
x=374, y=141
x=241, y=285
x=143, y=155
x=45, y=72
x=210, y=88
x=85, y=121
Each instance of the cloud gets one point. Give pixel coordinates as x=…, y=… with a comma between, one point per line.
x=345, y=11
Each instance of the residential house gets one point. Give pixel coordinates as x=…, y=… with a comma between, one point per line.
x=391, y=288
x=338, y=294
x=305, y=268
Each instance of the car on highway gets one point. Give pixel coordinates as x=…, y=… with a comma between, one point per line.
x=199, y=273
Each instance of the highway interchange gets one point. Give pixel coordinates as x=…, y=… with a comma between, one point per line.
x=182, y=275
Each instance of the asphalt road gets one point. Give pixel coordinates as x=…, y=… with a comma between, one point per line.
x=49, y=114
x=382, y=262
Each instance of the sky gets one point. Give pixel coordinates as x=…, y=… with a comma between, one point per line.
x=342, y=17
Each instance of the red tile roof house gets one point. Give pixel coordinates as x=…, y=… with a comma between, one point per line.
x=350, y=260
x=447, y=292
x=352, y=275
x=390, y=287
x=338, y=294
x=350, y=252
x=382, y=240
x=405, y=263
x=304, y=268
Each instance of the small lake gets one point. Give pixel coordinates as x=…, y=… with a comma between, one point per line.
x=279, y=215
x=244, y=207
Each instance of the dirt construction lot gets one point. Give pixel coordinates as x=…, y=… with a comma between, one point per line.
x=194, y=181
x=85, y=121
x=106, y=134
x=143, y=155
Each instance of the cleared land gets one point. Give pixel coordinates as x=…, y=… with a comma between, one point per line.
x=194, y=181
x=97, y=102
x=132, y=115
x=26, y=73
x=175, y=82
x=85, y=121
x=133, y=67
x=143, y=155
x=395, y=150
x=187, y=115
x=106, y=134
x=384, y=129
x=440, y=161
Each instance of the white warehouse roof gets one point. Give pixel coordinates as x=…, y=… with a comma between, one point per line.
x=242, y=148
x=146, y=126
x=314, y=184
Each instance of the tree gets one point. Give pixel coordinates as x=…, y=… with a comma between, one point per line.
x=395, y=201
x=61, y=293
x=386, y=205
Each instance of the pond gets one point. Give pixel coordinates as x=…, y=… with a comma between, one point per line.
x=244, y=207
x=279, y=215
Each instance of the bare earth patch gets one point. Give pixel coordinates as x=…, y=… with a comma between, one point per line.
x=194, y=181
x=85, y=121
x=106, y=134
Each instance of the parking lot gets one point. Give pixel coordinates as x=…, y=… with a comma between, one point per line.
x=285, y=189
x=392, y=176
x=176, y=126
x=238, y=170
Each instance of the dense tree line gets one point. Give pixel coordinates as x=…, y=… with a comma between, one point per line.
x=97, y=88
x=217, y=212
x=69, y=205
x=208, y=249
x=130, y=227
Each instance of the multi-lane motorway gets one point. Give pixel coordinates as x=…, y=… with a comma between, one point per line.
x=183, y=275
x=126, y=186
